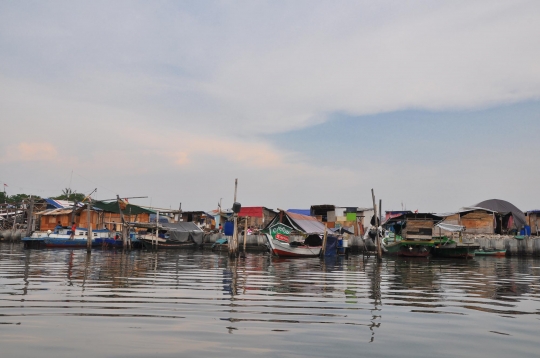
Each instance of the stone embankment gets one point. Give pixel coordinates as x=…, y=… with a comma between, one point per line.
x=528, y=246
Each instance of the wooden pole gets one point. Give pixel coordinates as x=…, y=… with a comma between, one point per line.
x=157, y=228
x=233, y=245
x=380, y=211
x=377, y=241
x=124, y=238
x=89, y=229
x=30, y=215
x=14, y=228
x=245, y=234
x=323, y=250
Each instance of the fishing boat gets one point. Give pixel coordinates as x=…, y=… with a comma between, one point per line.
x=393, y=244
x=61, y=238
x=170, y=235
x=294, y=235
x=490, y=252
x=451, y=247
x=409, y=234
x=446, y=247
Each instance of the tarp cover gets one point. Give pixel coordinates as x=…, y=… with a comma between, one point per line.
x=504, y=207
x=184, y=231
x=451, y=228
x=308, y=224
x=306, y=212
x=112, y=207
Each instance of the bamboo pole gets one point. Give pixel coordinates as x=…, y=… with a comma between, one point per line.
x=157, y=229
x=245, y=234
x=377, y=241
x=14, y=227
x=89, y=229
x=323, y=250
x=233, y=245
x=30, y=220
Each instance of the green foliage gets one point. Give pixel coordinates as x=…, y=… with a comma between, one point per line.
x=68, y=194
x=17, y=198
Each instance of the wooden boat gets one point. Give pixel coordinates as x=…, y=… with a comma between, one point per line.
x=151, y=243
x=292, y=249
x=446, y=247
x=410, y=234
x=179, y=235
x=59, y=238
x=491, y=252
x=450, y=248
x=281, y=230
x=407, y=248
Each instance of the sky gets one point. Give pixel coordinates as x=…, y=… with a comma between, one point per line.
x=434, y=105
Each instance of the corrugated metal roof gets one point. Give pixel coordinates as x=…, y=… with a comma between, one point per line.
x=308, y=224
x=56, y=212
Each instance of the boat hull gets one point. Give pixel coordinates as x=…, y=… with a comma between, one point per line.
x=409, y=248
x=492, y=253
x=165, y=244
x=65, y=243
x=284, y=249
x=445, y=247
x=456, y=253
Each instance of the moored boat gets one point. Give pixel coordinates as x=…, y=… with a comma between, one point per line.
x=407, y=248
x=450, y=248
x=490, y=252
x=283, y=230
x=409, y=234
x=170, y=235
x=446, y=247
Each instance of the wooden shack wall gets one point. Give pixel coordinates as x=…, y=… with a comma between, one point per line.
x=108, y=220
x=452, y=220
x=418, y=229
x=533, y=220
x=477, y=222
x=49, y=222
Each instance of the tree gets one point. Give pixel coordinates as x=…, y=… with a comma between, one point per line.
x=17, y=198
x=68, y=194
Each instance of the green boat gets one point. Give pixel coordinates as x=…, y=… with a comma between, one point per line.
x=491, y=252
x=446, y=247
x=394, y=244
x=410, y=234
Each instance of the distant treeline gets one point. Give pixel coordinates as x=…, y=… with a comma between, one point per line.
x=67, y=194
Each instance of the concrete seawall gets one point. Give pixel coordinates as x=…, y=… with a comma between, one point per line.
x=529, y=246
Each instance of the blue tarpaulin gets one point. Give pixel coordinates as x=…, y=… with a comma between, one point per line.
x=306, y=212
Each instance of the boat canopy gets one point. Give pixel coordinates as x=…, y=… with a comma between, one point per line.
x=302, y=223
x=450, y=227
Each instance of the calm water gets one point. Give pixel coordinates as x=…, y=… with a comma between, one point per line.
x=64, y=303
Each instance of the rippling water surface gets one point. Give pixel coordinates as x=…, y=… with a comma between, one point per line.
x=65, y=303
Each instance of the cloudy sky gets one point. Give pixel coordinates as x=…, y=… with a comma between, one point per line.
x=434, y=104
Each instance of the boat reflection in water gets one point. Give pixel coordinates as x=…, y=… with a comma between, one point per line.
x=194, y=302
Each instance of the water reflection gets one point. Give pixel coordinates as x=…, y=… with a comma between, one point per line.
x=354, y=300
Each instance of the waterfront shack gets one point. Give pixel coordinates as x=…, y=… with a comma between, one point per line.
x=533, y=221
x=258, y=216
x=508, y=219
x=355, y=219
x=202, y=219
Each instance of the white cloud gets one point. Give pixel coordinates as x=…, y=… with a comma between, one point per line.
x=132, y=90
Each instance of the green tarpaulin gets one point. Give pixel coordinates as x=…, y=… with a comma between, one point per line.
x=351, y=216
x=112, y=207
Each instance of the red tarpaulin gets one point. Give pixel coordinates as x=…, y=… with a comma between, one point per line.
x=252, y=211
